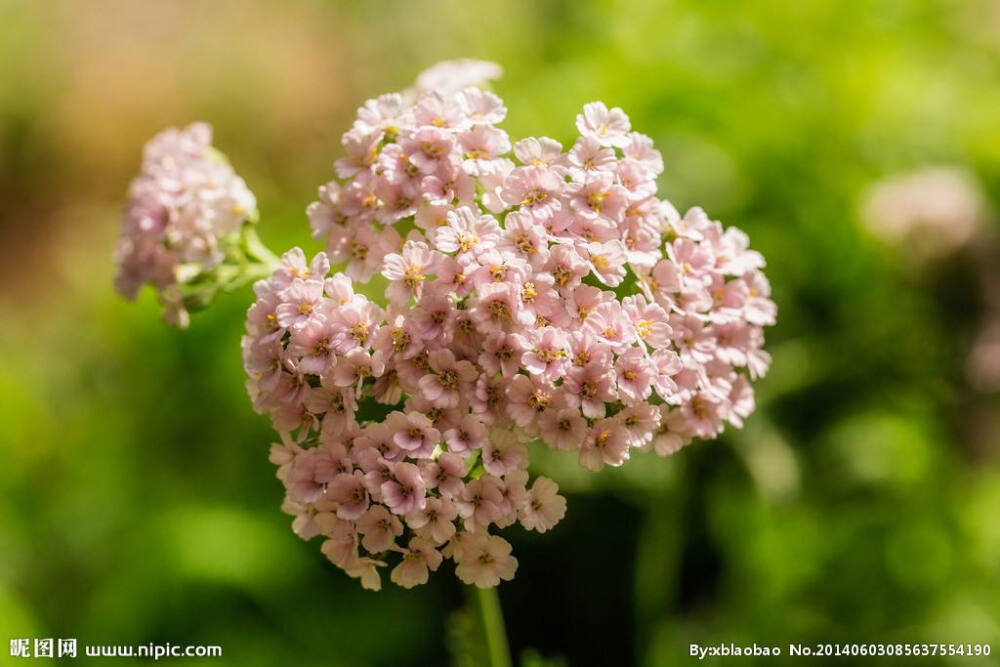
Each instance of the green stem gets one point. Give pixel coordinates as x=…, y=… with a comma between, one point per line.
x=249, y=273
x=492, y=619
x=256, y=249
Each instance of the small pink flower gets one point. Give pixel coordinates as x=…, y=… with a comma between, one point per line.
x=649, y=321
x=502, y=353
x=641, y=420
x=282, y=456
x=639, y=148
x=337, y=407
x=585, y=348
x=480, y=145
x=450, y=187
x=311, y=470
x=456, y=273
x=741, y=399
x=492, y=178
x=705, y=414
x=496, y=266
x=380, y=529
x=408, y=271
x=584, y=298
x=469, y=434
x=666, y=364
x=360, y=146
x=607, y=261
x=541, y=305
x=539, y=152
x=365, y=248
x=528, y=398
x=414, y=433
x=567, y=267
x=405, y=490
x=357, y=366
x=356, y=324
x=535, y=190
x=400, y=336
x=377, y=437
x=340, y=288
x=366, y=570
x=497, y=307
x=563, y=429
x=673, y=433
x=522, y=235
x=634, y=178
x=301, y=304
x=608, y=127
x=608, y=444
x=693, y=340
x=396, y=201
x=515, y=494
x=759, y=309
x=665, y=282
x=428, y=148
x=609, y=324
x=434, y=315
x=503, y=454
x=342, y=546
x=728, y=299
x=446, y=474
x=358, y=199
x=313, y=345
x=435, y=521
x=481, y=500
x=485, y=560
x=548, y=356
x=635, y=374
x=385, y=113
x=641, y=236
x=693, y=259
x=448, y=380
x=413, y=569
x=598, y=196
x=467, y=232
x=397, y=167
x=543, y=507
x=490, y=399
x=588, y=155
x=733, y=343
x=349, y=492
x=294, y=266
x=377, y=471
x=481, y=107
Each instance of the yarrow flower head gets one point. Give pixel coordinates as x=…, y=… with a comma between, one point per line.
x=184, y=220
x=547, y=297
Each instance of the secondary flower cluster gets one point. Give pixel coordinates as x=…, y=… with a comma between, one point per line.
x=546, y=296
x=931, y=212
x=185, y=209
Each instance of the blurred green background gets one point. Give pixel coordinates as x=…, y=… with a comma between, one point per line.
x=860, y=503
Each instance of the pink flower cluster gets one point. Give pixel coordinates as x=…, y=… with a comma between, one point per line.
x=183, y=209
x=552, y=297
x=424, y=481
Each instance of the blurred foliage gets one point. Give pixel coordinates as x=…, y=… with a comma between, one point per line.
x=860, y=503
